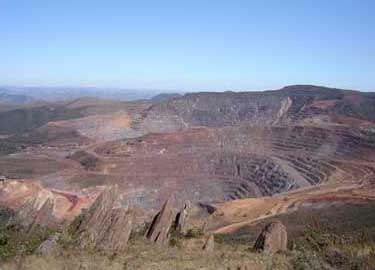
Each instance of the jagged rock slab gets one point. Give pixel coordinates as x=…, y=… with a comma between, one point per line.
x=182, y=222
x=273, y=238
x=104, y=226
x=30, y=215
x=45, y=214
x=159, y=230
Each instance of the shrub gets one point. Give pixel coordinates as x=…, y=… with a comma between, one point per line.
x=194, y=233
x=16, y=240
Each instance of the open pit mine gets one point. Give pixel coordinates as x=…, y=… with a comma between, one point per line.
x=200, y=173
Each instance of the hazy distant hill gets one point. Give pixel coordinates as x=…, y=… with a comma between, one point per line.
x=8, y=97
x=63, y=93
x=164, y=97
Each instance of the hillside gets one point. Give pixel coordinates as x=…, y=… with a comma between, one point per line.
x=241, y=159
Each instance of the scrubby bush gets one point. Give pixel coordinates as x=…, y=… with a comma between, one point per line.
x=320, y=248
x=305, y=258
x=194, y=233
x=15, y=240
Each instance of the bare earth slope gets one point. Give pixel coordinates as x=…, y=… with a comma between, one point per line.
x=307, y=143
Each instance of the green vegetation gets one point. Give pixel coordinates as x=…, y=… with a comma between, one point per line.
x=87, y=160
x=139, y=232
x=194, y=233
x=15, y=239
x=321, y=248
x=315, y=243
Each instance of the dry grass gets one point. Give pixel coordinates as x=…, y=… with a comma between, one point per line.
x=142, y=255
x=315, y=242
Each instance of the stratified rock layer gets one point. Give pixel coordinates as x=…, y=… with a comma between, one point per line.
x=273, y=238
x=104, y=226
x=160, y=227
x=30, y=215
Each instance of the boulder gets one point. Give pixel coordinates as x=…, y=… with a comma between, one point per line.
x=182, y=225
x=48, y=245
x=209, y=245
x=105, y=226
x=159, y=230
x=273, y=238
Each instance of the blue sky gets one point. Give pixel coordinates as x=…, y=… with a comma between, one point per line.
x=188, y=45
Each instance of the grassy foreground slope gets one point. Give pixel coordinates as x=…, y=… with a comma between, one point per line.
x=315, y=242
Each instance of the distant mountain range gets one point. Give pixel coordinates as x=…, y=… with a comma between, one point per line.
x=8, y=97
x=19, y=95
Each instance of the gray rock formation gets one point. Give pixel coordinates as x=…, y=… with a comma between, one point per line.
x=159, y=230
x=209, y=245
x=273, y=238
x=49, y=245
x=182, y=218
x=45, y=214
x=105, y=226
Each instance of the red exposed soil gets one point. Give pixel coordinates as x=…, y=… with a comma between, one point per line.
x=258, y=153
x=15, y=193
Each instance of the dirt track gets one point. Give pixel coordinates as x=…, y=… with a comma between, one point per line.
x=236, y=214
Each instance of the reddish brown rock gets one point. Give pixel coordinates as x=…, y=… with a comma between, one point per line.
x=209, y=245
x=273, y=238
x=159, y=230
x=105, y=225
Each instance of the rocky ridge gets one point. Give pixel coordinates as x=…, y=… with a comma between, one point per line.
x=105, y=226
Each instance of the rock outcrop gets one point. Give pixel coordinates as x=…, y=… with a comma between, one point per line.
x=49, y=245
x=27, y=196
x=45, y=214
x=159, y=230
x=209, y=245
x=273, y=238
x=182, y=218
x=30, y=215
x=105, y=226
